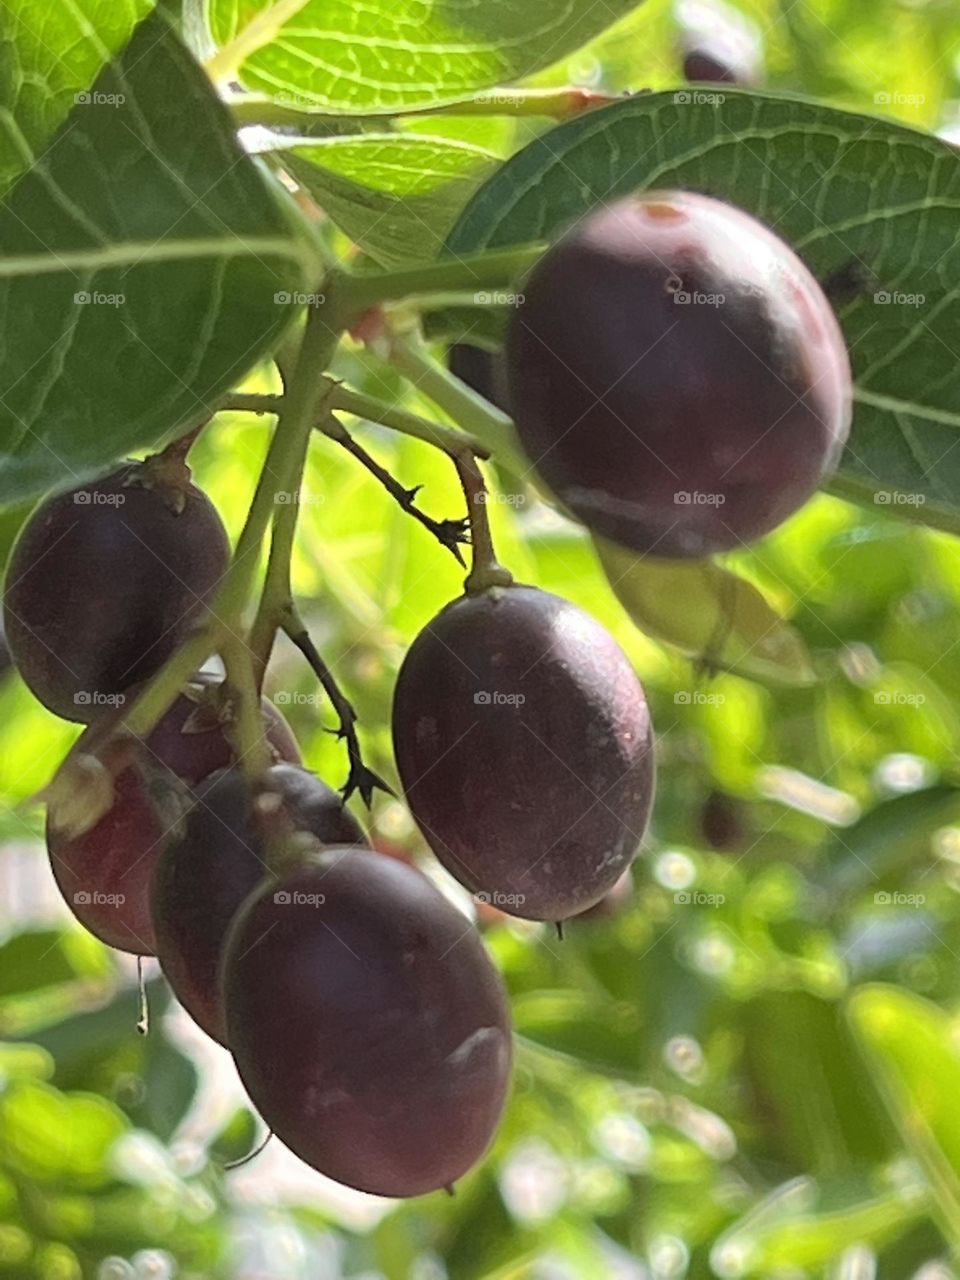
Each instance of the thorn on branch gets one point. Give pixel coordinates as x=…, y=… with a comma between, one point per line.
x=449, y=533
x=360, y=778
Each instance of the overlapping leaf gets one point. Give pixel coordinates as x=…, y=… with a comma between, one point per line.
x=139, y=269
x=50, y=53
x=388, y=54
x=397, y=195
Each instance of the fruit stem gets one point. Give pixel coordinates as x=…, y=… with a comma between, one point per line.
x=342, y=399
x=469, y=410
x=486, y=570
x=470, y=273
x=246, y=727
x=552, y=103
x=360, y=777
x=297, y=416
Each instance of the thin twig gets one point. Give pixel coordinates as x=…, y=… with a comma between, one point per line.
x=447, y=532
x=360, y=778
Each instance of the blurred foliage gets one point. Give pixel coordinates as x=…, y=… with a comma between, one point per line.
x=751, y=1068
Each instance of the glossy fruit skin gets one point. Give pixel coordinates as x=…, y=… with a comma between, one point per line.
x=103, y=584
x=201, y=879
x=540, y=805
x=677, y=375
x=118, y=855
x=371, y=1030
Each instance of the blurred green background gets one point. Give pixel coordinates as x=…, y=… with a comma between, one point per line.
x=751, y=1066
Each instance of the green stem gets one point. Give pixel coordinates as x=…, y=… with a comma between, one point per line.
x=408, y=424
x=246, y=728
x=486, y=570
x=370, y=409
x=555, y=104
x=472, y=273
x=468, y=409
x=297, y=416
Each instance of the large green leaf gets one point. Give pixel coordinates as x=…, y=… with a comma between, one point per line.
x=396, y=195
x=50, y=53
x=708, y=613
x=139, y=268
x=387, y=54
x=871, y=206
x=911, y=1047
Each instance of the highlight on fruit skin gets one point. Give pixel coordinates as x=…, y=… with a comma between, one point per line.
x=714, y=394
x=524, y=747
x=103, y=584
x=368, y=1024
x=105, y=874
x=202, y=878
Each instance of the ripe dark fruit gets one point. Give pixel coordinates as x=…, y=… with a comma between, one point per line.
x=104, y=583
x=523, y=743
x=701, y=65
x=722, y=822
x=719, y=46
x=482, y=370
x=677, y=375
x=105, y=874
x=612, y=903
x=368, y=1025
x=203, y=877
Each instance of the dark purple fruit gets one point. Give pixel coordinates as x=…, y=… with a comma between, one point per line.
x=523, y=744
x=722, y=822
x=701, y=65
x=103, y=584
x=482, y=370
x=203, y=877
x=105, y=874
x=368, y=1024
x=677, y=376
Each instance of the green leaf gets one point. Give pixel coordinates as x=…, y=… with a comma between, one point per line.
x=707, y=612
x=385, y=55
x=237, y=1138
x=911, y=1047
x=852, y=194
x=892, y=840
x=56, y=1137
x=50, y=53
x=781, y=1233
x=138, y=270
x=396, y=195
